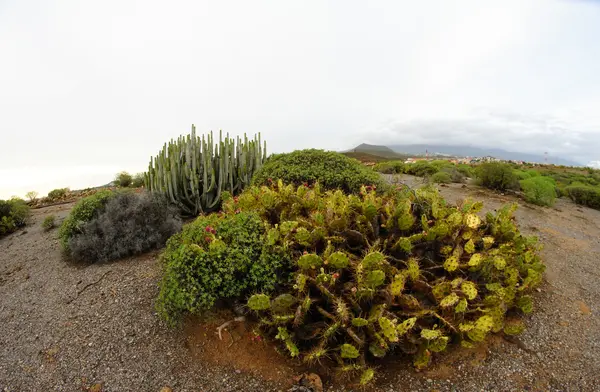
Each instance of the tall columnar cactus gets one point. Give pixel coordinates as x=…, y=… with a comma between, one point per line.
x=193, y=171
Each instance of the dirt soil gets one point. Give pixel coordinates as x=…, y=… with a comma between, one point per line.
x=66, y=327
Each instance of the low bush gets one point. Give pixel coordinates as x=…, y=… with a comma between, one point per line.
x=49, y=222
x=392, y=167
x=539, y=190
x=465, y=170
x=584, y=195
x=331, y=169
x=441, y=178
x=497, y=176
x=371, y=275
x=84, y=211
x=421, y=169
x=219, y=257
x=13, y=215
x=128, y=224
x=57, y=194
x=123, y=179
x=138, y=180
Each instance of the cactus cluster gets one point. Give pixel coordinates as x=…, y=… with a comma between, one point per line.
x=376, y=274
x=194, y=172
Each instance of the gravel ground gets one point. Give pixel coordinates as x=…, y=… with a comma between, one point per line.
x=65, y=327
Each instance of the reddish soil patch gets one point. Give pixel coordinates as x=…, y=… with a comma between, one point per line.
x=240, y=348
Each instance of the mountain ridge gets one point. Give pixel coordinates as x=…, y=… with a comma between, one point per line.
x=462, y=151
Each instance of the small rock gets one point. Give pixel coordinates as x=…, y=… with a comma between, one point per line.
x=166, y=389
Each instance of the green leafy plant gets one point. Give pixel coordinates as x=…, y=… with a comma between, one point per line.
x=57, y=194
x=13, y=215
x=138, y=180
x=539, y=190
x=84, y=211
x=220, y=257
x=194, y=172
x=391, y=167
x=331, y=169
x=586, y=195
x=465, y=170
x=441, y=178
x=123, y=179
x=421, y=169
x=497, y=176
x=49, y=222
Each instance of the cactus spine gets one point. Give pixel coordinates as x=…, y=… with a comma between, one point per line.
x=193, y=171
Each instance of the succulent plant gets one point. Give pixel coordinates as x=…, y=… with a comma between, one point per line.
x=399, y=272
x=194, y=172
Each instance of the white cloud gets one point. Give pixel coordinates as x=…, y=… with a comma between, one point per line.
x=106, y=84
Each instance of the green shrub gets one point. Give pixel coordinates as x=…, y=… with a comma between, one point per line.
x=421, y=169
x=331, y=169
x=391, y=167
x=218, y=257
x=584, y=195
x=123, y=179
x=371, y=275
x=84, y=211
x=57, y=194
x=497, y=176
x=138, y=180
x=129, y=224
x=441, y=178
x=522, y=174
x=13, y=215
x=465, y=170
x=441, y=164
x=539, y=190
x=49, y=222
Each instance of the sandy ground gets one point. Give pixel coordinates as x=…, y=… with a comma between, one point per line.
x=65, y=327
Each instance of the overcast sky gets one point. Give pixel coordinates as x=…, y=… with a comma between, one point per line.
x=91, y=88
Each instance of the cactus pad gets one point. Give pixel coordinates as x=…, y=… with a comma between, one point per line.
x=259, y=302
x=349, y=351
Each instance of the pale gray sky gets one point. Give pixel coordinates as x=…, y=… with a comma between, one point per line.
x=91, y=88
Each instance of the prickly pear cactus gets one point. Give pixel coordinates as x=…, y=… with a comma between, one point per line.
x=380, y=274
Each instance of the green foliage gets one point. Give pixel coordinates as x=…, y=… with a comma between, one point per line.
x=84, y=211
x=32, y=196
x=385, y=297
x=13, y=215
x=391, y=167
x=49, y=222
x=138, y=180
x=586, y=195
x=123, y=179
x=539, y=190
x=497, y=176
x=194, y=172
x=421, y=169
x=219, y=257
x=57, y=194
x=441, y=178
x=331, y=169
x=465, y=170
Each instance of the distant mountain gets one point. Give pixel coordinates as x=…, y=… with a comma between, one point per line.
x=380, y=151
x=470, y=151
